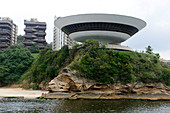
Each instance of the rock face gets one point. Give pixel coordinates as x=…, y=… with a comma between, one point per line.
x=68, y=83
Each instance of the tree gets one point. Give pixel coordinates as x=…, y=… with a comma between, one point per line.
x=49, y=45
x=157, y=55
x=103, y=44
x=47, y=65
x=149, y=50
x=20, y=39
x=34, y=48
x=14, y=62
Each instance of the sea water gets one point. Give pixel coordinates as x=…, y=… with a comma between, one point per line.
x=82, y=106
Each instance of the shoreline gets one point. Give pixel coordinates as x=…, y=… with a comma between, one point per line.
x=7, y=92
x=105, y=96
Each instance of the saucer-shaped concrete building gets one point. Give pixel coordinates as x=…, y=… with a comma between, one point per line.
x=108, y=28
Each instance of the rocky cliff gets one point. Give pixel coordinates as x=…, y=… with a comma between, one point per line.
x=68, y=85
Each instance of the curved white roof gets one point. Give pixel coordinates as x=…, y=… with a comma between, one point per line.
x=113, y=18
x=102, y=35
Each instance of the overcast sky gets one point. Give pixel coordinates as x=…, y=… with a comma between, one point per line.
x=156, y=13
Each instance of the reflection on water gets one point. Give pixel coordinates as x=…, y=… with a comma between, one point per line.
x=82, y=106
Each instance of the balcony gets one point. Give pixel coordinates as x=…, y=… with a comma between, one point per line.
x=41, y=46
x=2, y=31
x=3, y=48
x=29, y=30
x=33, y=23
x=4, y=39
x=29, y=36
x=28, y=43
x=40, y=33
x=39, y=40
x=5, y=26
x=40, y=27
x=4, y=45
x=6, y=23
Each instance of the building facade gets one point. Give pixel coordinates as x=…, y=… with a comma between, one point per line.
x=60, y=39
x=110, y=28
x=8, y=33
x=34, y=33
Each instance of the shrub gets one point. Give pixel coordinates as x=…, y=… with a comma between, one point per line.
x=167, y=83
x=109, y=66
x=47, y=65
x=15, y=61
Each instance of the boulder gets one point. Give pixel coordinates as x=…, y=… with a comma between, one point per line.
x=62, y=83
x=68, y=81
x=139, y=85
x=160, y=85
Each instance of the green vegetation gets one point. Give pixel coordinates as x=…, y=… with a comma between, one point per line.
x=109, y=66
x=93, y=61
x=20, y=39
x=14, y=61
x=47, y=65
x=149, y=50
x=35, y=55
x=34, y=48
x=90, y=59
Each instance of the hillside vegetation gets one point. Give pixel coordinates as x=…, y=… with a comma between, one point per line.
x=93, y=61
x=46, y=65
x=14, y=61
x=109, y=66
x=90, y=60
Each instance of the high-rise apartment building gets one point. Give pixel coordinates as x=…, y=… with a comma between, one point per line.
x=34, y=33
x=14, y=34
x=60, y=39
x=8, y=33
